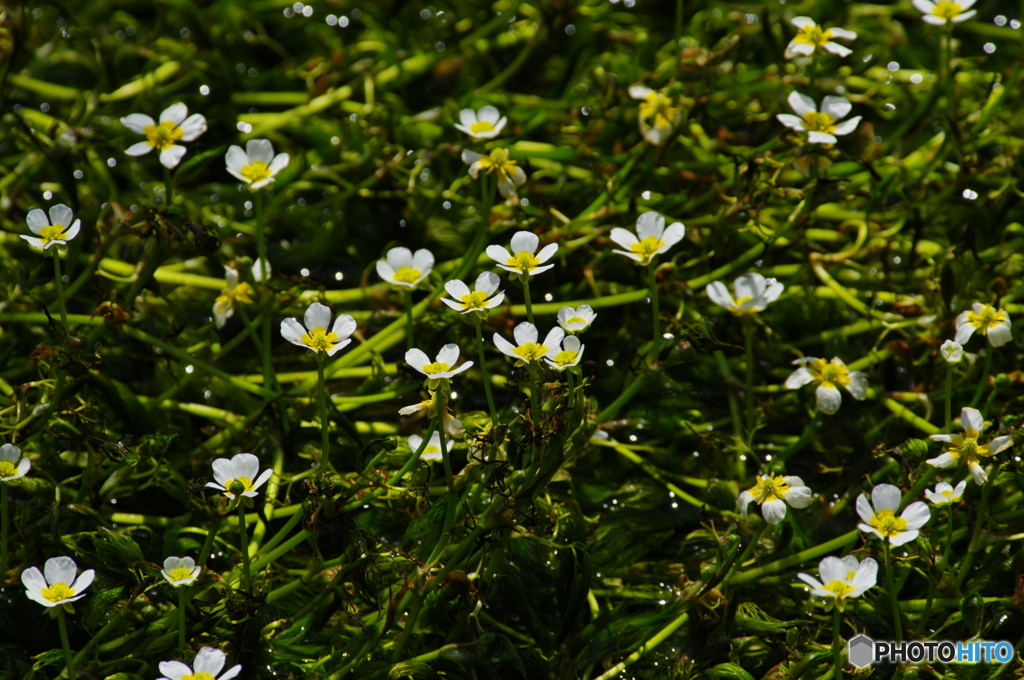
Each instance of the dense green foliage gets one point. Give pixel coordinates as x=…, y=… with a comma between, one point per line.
x=595, y=532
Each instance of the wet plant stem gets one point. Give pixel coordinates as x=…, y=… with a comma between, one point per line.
x=748, y=332
x=891, y=587
x=269, y=379
x=652, y=289
x=3, y=531
x=408, y=319
x=813, y=77
x=747, y=551
x=168, y=190
x=922, y=624
x=985, y=373
x=571, y=391
x=68, y=658
x=526, y=297
x=450, y=500
x=243, y=540
x=837, y=639
x=483, y=371
x=181, y=617
x=975, y=544
x=949, y=397
x=325, y=441
x=947, y=80
x=59, y=281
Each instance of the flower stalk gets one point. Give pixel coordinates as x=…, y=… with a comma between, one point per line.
x=325, y=441
x=891, y=587
x=243, y=539
x=985, y=373
x=652, y=287
x=59, y=281
x=450, y=500
x=181, y=617
x=3, y=531
x=69, y=659
x=483, y=371
x=923, y=623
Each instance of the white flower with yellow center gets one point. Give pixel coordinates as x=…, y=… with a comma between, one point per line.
x=880, y=518
x=772, y=493
x=207, y=664
x=477, y=300
x=524, y=258
x=236, y=292
x=175, y=126
x=452, y=425
x=829, y=377
x=56, y=585
x=565, y=354
x=945, y=11
x=576, y=320
x=984, y=319
x=180, y=571
x=811, y=37
x=842, y=579
x=651, y=238
x=442, y=368
x=12, y=465
x=257, y=166
x=431, y=452
x=821, y=127
x=315, y=335
x=498, y=163
x=945, y=494
x=527, y=349
x=56, y=230
x=753, y=294
x=243, y=468
x=486, y=123
x=965, y=448
x=659, y=114
x=402, y=267
x=952, y=351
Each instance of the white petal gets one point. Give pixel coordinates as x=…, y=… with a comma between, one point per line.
x=489, y=114
x=449, y=354
x=487, y=282
x=209, y=660
x=650, y=224
x=385, y=271
x=773, y=291
x=925, y=6
x=263, y=478
x=999, y=444
x=174, y=670
x=801, y=104
x=858, y=385
x=799, y=496
x=999, y=334
x=138, y=149
x=847, y=126
x=504, y=346
x=399, y=257
x=965, y=16
x=836, y=48
x=944, y=461
x=774, y=511
x=344, y=326
x=719, y=294
x=639, y=91
x=917, y=515
x=338, y=347
x=958, y=492
x=749, y=286
x=83, y=581
x=137, y=122
x=417, y=358
x=235, y=159
x=231, y=672
x=799, y=378
x=245, y=465
x=791, y=121
x=623, y=238
x=33, y=579
x=279, y=163
x=864, y=508
x=175, y=113
x=828, y=399
x=259, y=150
x=904, y=537
x=833, y=569
x=886, y=497
x=423, y=260
x=172, y=155
x=798, y=49
x=457, y=289
x=811, y=581
x=941, y=438
x=470, y=158
x=978, y=473
x=843, y=34
x=525, y=332
x=467, y=117
x=292, y=331
x=837, y=107
x=934, y=20
x=971, y=419
x=498, y=254
x=547, y=252
x=743, y=501
x=192, y=127
x=672, y=235
x=821, y=138
x=554, y=337
x=317, y=316
x=37, y=220
x=803, y=22
x=525, y=241
x=60, y=570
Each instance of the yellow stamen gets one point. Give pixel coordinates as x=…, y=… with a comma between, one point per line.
x=431, y=449
x=988, y=317
x=481, y=126
x=163, y=135
x=58, y=592
x=575, y=319
x=530, y=351
x=7, y=468
x=839, y=588
x=769, y=488
x=198, y=676
x=256, y=171
x=180, y=574
x=407, y=275
x=658, y=108
x=241, y=293
x=474, y=300
x=829, y=374
x=319, y=339
x=524, y=262
x=813, y=35
x=850, y=575
x=647, y=248
x=819, y=122
x=245, y=481
x=52, y=232
x=435, y=368
x=565, y=358
x=888, y=524
x=944, y=9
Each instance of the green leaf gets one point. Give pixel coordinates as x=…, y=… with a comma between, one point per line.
x=729, y=671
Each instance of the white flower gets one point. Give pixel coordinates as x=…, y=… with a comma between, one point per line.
x=55, y=230
x=772, y=492
x=576, y=320
x=173, y=127
x=945, y=493
x=952, y=351
x=524, y=261
x=821, y=128
x=827, y=375
x=452, y=425
x=486, y=123
x=842, y=579
x=967, y=447
x=984, y=319
x=257, y=165
x=242, y=467
x=944, y=11
x=499, y=163
x=403, y=268
x=207, y=664
x=237, y=291
x=442, y=368
x=12, y=465
x=477, y=300
x=653, y=240
x=526, y=348
x=315, y=335
x=180, y=571
x=566, y=356
x=659, y=114
x=59, y=585
x=753, y=294
x=431, y=452
x=811, y=36
x=880, y=518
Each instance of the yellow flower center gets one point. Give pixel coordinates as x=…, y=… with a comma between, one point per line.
x=531, y=351
x=474, y=300
x=813, y=35
x=7, y=468
x=647, y=248
x=163, y=135
x=658, y=108
x=565, y=358
x=431, y=449
x=319, y=339
x=944, y=9
x=750, y=311
x=52, y=232
x=497, y=161
x=769, y=488
x=180, y=574
x=481, y=126
x=524, y=262
x=988, y=317
x=839, y=588
x=58, y=592
x=575, y=319
x=435, y=368
x=948, y=493
x=819, y=122
x=829, y=374
x=245, y=481
x=888, y=524
x=407, y=275
x=198, y=676
x=256, y=172
x=241, y=293
x=850, y=575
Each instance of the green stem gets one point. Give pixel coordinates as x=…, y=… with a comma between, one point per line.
x=526, y=297
x=922, y=624
x=948, y=79
x=68, y=658
x=571, y=394
x=949, y=397
x=247, y=322
x=483, y=371
x=59, y=280
x=204, y=552
x=269, y=379
x=754, y=540
x=450, y=500
x=181, y=617
x=891, y=587
x=3, y=531
x=168, y=195
x=748, y=331
x=984, y=377
x=975, y=544
x=814, y=74
x=652, y=289
x=324, y=423
x=837, y=656
x=679, y=20
x=535, y=412
x=243, y=538
x=408, y=319
x=646, y=647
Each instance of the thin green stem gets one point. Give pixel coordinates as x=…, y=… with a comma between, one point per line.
x=986, y=372
x=748, y=332
x=948, y=73
x=450, y=500
x=247, y=322
x=483, y=370
x=59, y=281
x=738, y=564
x=571, y=390
x=266, y=306
x=891, y=587
x=408, y=319
x=949, y=397
x=3, y=531
x=679, y=20
x=324, y=422
x=181, y=617
x=69, y=659
x=922, y=624
x=168, y=191
x=204, y=552
x=526, y=297
x=652, y=289
x=243, y=539
x=975, y=544
x=837, y=639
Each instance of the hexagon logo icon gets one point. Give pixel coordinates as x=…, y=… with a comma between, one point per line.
x=861, y=651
